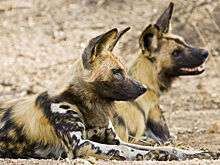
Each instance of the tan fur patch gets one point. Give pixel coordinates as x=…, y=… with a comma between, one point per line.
x=35, y=125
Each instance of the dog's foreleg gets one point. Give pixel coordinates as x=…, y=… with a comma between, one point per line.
x=77, y=147
x=179, y=153
x=86, y=148
x=175, y=152
x=156, y=127
x=71, y=131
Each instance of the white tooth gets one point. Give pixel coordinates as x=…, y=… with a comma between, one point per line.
x=201, y=68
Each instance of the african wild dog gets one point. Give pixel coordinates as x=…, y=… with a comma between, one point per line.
x=163, y=58
x=71, y=119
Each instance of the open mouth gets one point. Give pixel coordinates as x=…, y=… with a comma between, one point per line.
x=195, y=70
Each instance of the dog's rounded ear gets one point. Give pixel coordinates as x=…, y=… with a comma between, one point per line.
x=98, y=45
x=121, y=33
x=148, y=40
x=164, y=22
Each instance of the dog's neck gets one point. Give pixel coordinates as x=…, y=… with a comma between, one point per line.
x=75, y=89
x=144, y=70
x=165, y=79
x=95, y=109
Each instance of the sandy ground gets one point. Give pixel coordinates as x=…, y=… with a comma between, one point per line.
x=40, y=39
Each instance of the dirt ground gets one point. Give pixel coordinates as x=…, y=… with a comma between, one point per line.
x=40, y=39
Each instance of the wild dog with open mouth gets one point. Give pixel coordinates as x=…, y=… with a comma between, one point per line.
x=71, y=119
x=164, y=57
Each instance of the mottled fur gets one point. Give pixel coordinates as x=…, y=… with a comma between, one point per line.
x=162, y=57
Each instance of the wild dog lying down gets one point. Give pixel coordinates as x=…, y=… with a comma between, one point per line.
x=164, y=57
x=71, y=119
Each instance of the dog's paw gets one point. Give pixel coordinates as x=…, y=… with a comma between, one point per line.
x=159, y=156
x=204, y=155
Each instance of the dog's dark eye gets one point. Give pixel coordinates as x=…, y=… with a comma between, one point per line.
x=175, y=52
x=116, y=70
x=118, y=74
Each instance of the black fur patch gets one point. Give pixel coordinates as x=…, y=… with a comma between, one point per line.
x=158, y=130
x=128, y=89
x=166, y=78
x=120, y=120
x=115, y=153
x=71, y=99
x=64, y=155
x=44, y=102
x=7, y=114
x=177, y=41
x=64, y=106
x=92, y=147
x=139, y=157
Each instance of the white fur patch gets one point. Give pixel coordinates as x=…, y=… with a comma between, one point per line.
x=154, y=42
x=55, y=108
x=110, y=125
x=75, y=115
x=78, y=134
x=2, y=125
x=80, y=124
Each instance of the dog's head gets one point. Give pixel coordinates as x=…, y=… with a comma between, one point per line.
x=172, y=55
x=105, y=72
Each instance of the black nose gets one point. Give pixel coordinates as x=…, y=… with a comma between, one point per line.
x=143, y=89
x=205, y=53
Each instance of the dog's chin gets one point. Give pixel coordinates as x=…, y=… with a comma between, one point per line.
x=191, y=70
x=126, y=99
x=123, y=98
